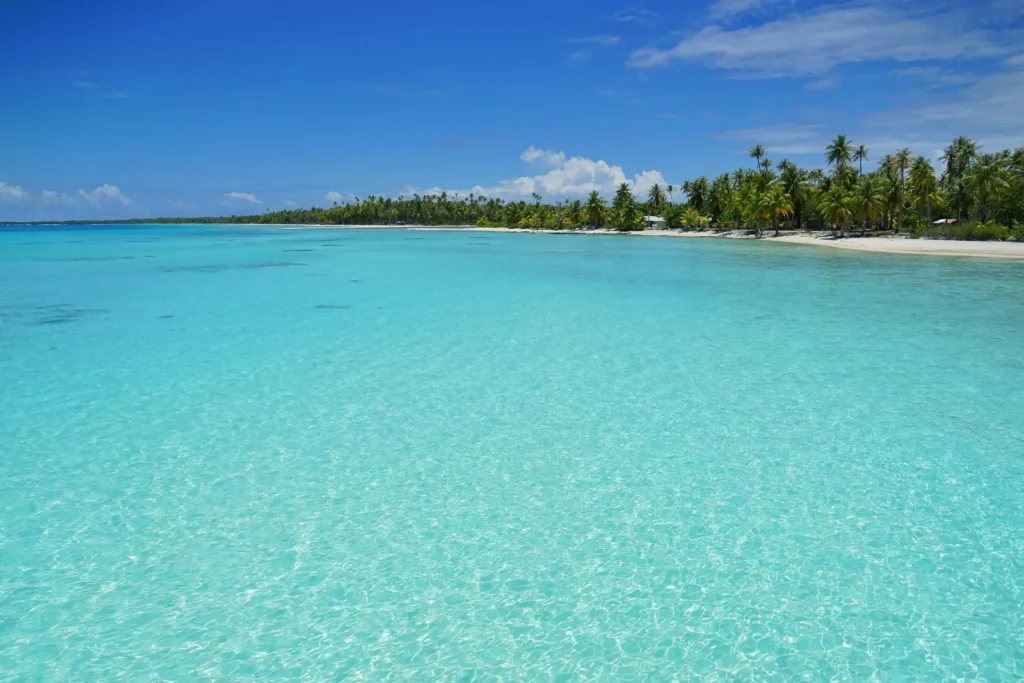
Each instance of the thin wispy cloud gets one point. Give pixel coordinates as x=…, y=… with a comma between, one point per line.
x=85, y=85
x=117, y=95
x=824, y=83
x=634, y=15
x=728, y=9
x=242, y=197
x=784, y=138
x=815, y=42
x=600, y=40
x=990, y=105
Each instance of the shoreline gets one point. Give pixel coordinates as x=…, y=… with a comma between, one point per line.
x=906, y=246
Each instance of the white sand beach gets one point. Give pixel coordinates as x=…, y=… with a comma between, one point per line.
x=898, y=245
x=885, y=245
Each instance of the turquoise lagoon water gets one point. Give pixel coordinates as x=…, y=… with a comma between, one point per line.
x=231, y=452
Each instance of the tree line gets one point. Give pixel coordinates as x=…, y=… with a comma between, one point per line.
x=983, y=192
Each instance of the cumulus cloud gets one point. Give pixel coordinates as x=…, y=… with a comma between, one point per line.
x=12, y=192
x=531, y=154
x=568, y=176
x=334, y=197
x=104, y=194
x=828, y=37
x=51, y=197
x=243, y=197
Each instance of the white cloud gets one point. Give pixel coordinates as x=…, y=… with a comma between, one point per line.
x=85, y=85
x=334, y=197
x=569, y=176
x=602, y=40
x=104, y=194
x=12, y=192
x=51, y=197
x=815, y=42
x=243, y=197
x=289, y=203
x=721, y=9
x=117, y=95
x=532, y=154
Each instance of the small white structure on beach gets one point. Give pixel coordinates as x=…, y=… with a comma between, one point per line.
x=944, y=221
x=654, y=221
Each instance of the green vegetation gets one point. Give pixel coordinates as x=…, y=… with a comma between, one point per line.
x=984, y=193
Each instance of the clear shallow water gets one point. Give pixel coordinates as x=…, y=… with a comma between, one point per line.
x=442, y=456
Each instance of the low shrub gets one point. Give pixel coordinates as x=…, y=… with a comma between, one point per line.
x=975, y=231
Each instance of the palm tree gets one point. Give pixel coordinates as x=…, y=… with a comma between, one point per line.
x=795, y=182
x=868, y=200
x=923, y=187
x=902, y=160
x=839, y=152
x=737, y=177
x=987, y=181
x=698, y=192
x=860, y=155
x=656, y=199
x=958, y=156
x=720, y=201
x=891, y=190
x=751, y=205
x=834, y=207
x=688, y=217
x=756, y=152
x=596, y=210
x=623, y=196
x=575, y=213
x=776, y=204
x=628, y=216
x=670, y=189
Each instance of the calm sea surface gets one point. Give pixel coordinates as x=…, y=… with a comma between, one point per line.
x=233, y=452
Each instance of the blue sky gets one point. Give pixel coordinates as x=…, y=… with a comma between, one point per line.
x=115, y=109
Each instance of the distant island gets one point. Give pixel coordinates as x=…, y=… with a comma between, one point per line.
x=977, y=196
